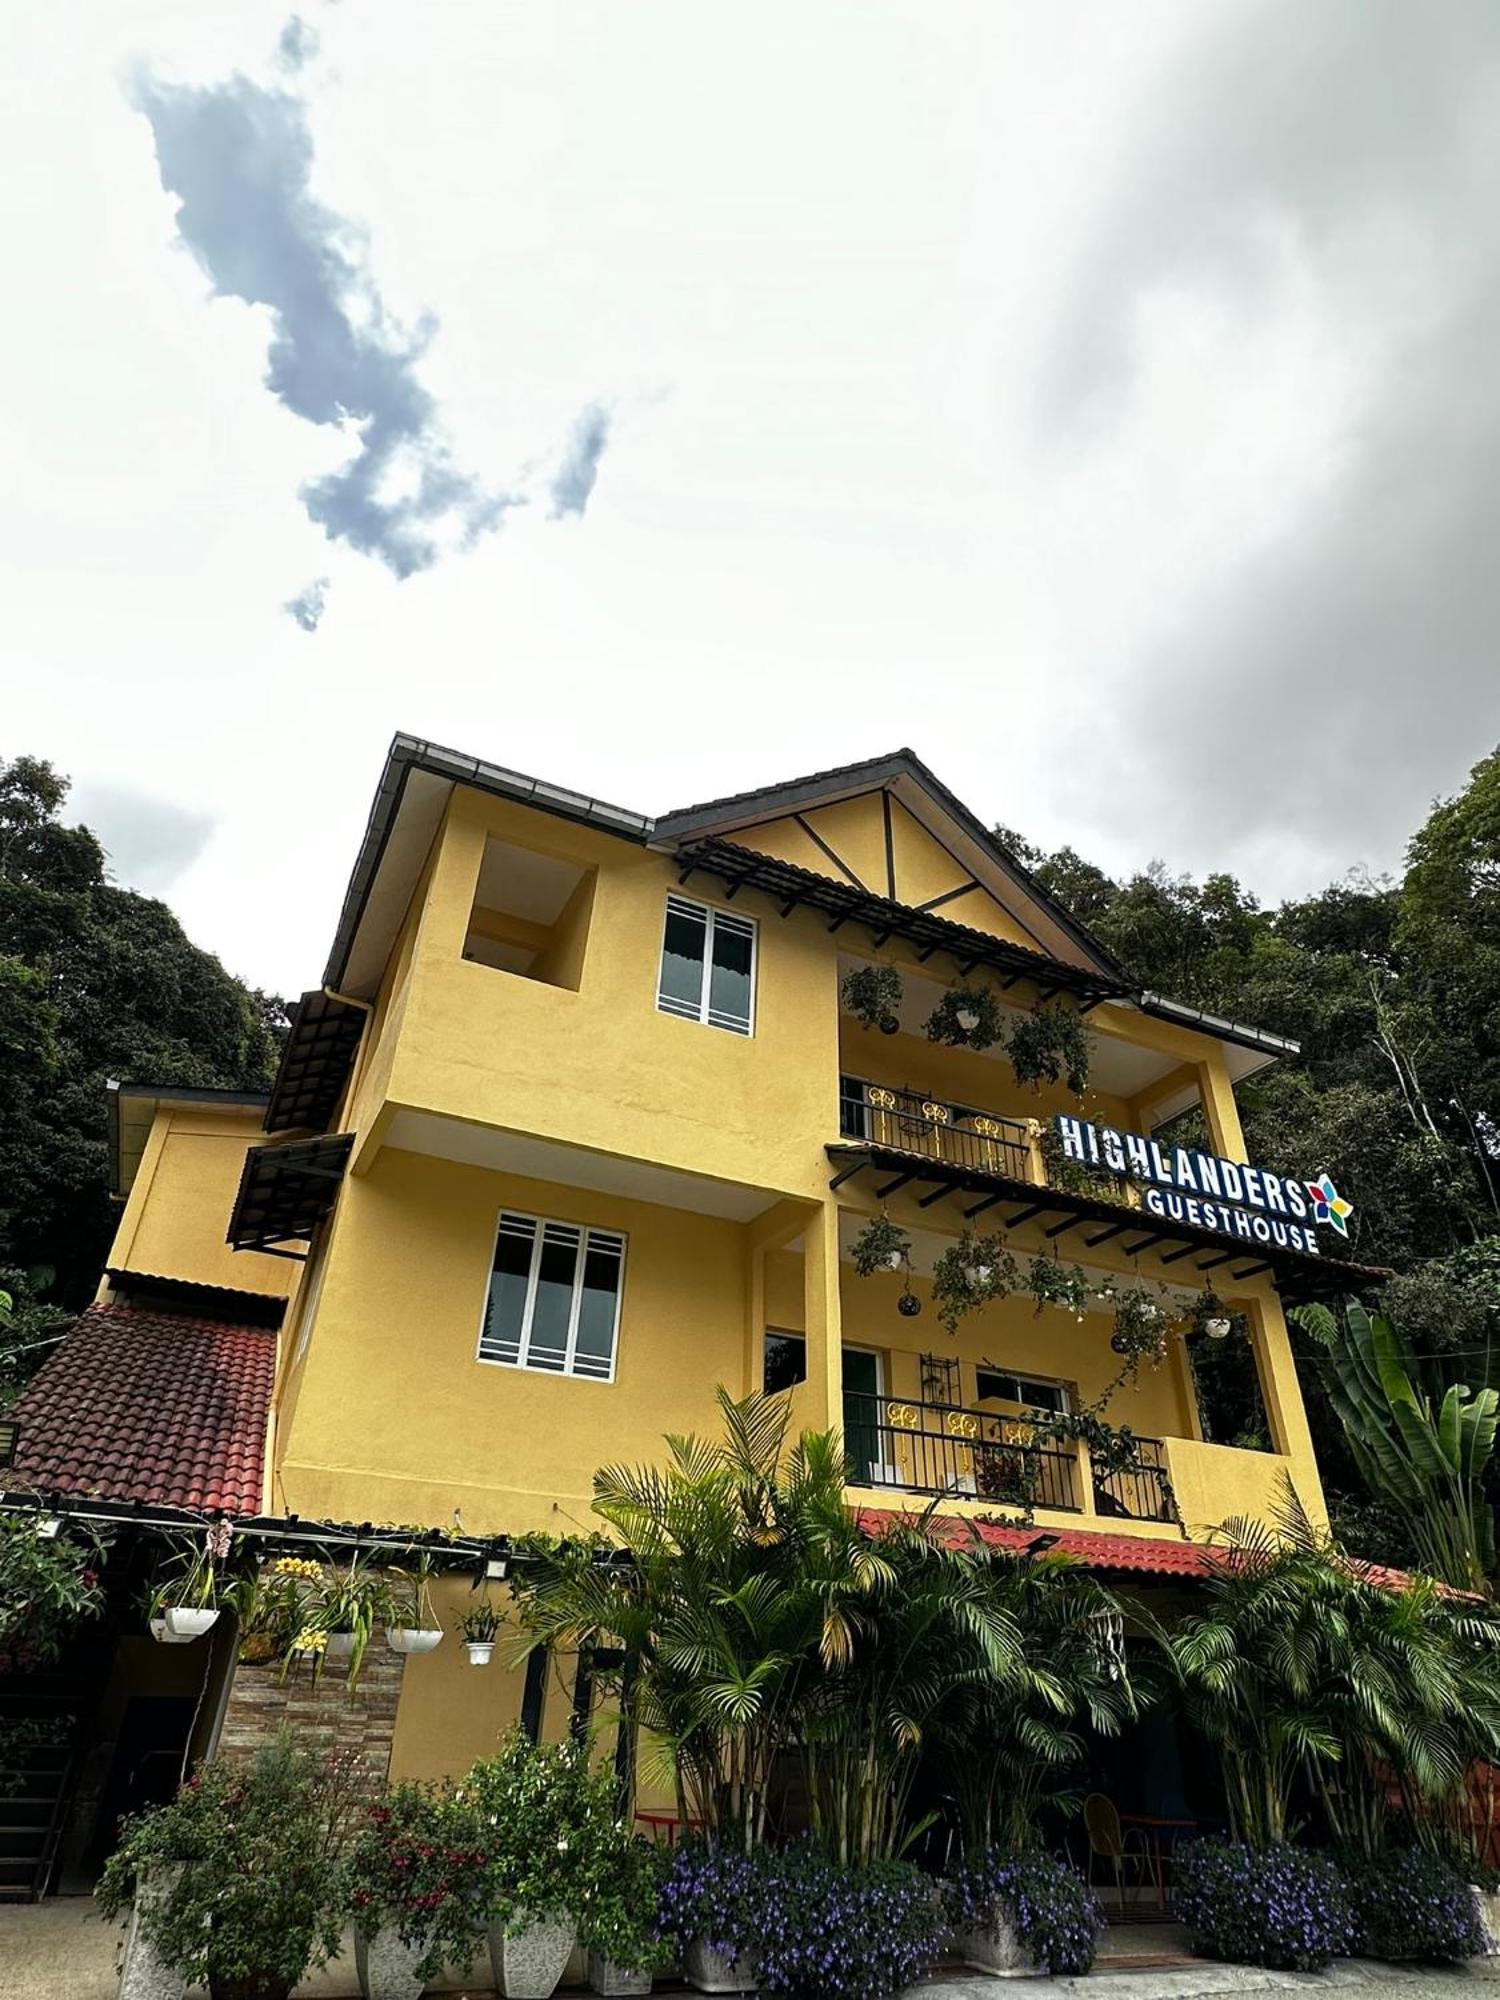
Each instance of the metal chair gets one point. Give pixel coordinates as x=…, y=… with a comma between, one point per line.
x=1109, y=1841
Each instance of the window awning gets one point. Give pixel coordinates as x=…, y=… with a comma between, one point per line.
x=1091, y=1222
x=800, y=888
x=286, y=1191
x=315, y=1064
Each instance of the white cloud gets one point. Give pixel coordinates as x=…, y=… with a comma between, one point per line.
x=1027, y=404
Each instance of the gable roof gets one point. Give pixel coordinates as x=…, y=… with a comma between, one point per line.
x=922, y=792
x=149, y=1406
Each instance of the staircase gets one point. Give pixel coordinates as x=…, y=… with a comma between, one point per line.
x=39, y=1736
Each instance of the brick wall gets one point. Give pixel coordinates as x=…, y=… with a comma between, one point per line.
x=325, y=1717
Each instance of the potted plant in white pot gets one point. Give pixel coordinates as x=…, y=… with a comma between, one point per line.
x=619, y=1914
x=414, y=1889
x=545, y=1817
x=479, y=1625
x=713, y=1904
x=411, y=1623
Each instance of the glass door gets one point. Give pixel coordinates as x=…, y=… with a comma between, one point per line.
x=862, y=1416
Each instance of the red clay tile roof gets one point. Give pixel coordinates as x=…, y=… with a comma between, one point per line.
x=151, y=1406
x=1099, y=1551
x=1141, y=1553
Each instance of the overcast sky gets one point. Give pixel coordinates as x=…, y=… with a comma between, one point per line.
x=667, y=399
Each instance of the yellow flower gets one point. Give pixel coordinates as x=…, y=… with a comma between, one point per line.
x=297, y=1566
x=309, y=1641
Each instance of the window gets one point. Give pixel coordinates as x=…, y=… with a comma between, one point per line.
x=785, y=1361
x=1031, y=1392
x=554, y=1301
x=707, y=966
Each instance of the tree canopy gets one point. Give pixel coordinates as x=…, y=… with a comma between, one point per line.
x=95, y=982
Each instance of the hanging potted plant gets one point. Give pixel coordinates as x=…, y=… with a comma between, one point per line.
x=969, y=1274
x=880, y=1246
x=479, y=1625
x=873, y=993
x=190, y=1594
x=353, y=1601
x=411, y=1623
x=1050, y=1045
x=1212, y=1318
x=1140, y=1328
x=967, y=1017
x=1054, y=1283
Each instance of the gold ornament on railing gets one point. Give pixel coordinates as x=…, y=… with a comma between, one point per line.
x=935, y=1113
x=883, y=1100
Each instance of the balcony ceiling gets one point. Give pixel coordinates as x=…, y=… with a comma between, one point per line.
x=489, y=1146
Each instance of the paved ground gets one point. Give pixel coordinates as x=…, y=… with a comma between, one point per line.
x=62, y=1951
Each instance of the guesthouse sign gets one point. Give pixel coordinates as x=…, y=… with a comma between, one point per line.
x=1180, y=1184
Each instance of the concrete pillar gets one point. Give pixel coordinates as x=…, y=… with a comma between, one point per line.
x=823, y=1319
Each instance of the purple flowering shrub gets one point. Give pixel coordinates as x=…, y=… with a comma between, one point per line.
x=831, y=1933
x=813, y=1930
x=1412, y=1905
x=1279, y=1906
x=713, y=1894
x=1055, y=1914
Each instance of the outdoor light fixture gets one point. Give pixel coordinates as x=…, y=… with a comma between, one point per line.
x=10, y=1440
x=49, y=1527
x=1040, y=1546
x=497, y=1569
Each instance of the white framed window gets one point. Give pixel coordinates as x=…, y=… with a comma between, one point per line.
x=1032, y=1392
x=707, y=966
x=554, y=1298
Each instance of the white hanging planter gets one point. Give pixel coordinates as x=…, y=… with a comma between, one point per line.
x=480, y=1651
x=967, y=1018
x=1217, y=1329
x=190, y=1621
x=412, y=1638
x=339, y=1647
x=162, y=1633
x=894, y=1259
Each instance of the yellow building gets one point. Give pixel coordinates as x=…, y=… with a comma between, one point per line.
x=580, y=1126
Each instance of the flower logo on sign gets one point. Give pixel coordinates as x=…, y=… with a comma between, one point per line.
x=1329, y=1205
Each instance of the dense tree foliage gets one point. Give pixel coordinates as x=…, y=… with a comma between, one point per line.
x=95, y=981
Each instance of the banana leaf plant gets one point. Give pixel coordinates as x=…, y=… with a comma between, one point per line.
x=1413, y=1439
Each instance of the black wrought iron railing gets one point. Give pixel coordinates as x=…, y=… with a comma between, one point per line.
x=938, y=1448
x=1141, y=1493
x=914, y=1122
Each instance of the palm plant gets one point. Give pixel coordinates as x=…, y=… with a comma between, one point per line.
x=742, y=1576
x=1303, y=1665
x=917, y=1647
x=1414, y=1441
x=1006, y=1742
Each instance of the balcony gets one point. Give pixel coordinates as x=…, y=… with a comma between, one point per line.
x=911, y=1121
x=943, y=1450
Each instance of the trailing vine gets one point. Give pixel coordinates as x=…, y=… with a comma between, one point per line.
x=1051, y=1045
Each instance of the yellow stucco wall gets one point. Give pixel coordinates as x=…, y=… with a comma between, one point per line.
x=395, y=1419
x=176, y=1215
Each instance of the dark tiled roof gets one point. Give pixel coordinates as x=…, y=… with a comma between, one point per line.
x=151, y=1406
